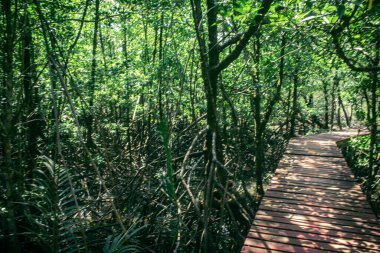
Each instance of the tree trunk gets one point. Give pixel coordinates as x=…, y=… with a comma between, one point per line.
x=294, y=106
x=8, y=129
x=127, y=111
x=160, y=68
x=211, y=67
x=259, y=151
x=346, y=116
x=192, y=83
x=261, y=121
x=288, y=111
x=339, y=120
x=33, y=130
x=333, y=103
x=326, y=99
x=90, y=119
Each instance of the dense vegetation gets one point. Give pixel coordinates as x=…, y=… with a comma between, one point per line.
x=357, y=153
x=153, y=125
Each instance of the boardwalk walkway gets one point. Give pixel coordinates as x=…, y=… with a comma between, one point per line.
x=313, y=203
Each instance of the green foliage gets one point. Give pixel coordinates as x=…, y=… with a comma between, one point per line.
x=358, y=154
x=361, y=147
x=51, y=209
x=123, y=243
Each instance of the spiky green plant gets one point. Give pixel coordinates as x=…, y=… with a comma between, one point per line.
x=124, y=242
x=52, y=209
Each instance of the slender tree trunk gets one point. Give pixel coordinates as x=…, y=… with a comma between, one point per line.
x=211, y=86
x=127, y=112
x=33, y=130
x=346, y=116
x=351, y=113
x=368, y=105
x=310, y=104
x=373, y=130
x=8, y=128
x=213, y=141
x=209, y=59
x=90, y=120
x=262, y=118
x=339, y=119
x=294, y=106
x=192, y=83
x=326, y=99
x=259, y=150
x=103, y=49
x=288, y=111
x=333, y=100
x=160, y=68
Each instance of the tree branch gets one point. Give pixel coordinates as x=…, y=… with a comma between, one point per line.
x=230, y=41
x=340, y=53
x=339, y=50
x=244, y=37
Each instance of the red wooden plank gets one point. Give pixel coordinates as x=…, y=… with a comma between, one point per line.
x=312, y=182
x=314, y=174
x=309, y=207
x=315, y=162
x=317, y=202
x=318, y=175
x=346, y=174
x=319, y=225
x=317, y=190
x=304, y=240
x=325, y=166
x=315, y=212
x=314, y=185
x=248, y=249
x=346, y=199
x=364, y=239
x=316, y=178
x=330, y=193
x=311, y=218
x=340, y=176
x=321, y=153
x=313, y=194
x=284, y=247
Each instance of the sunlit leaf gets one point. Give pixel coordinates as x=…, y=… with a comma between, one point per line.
x=310, y=18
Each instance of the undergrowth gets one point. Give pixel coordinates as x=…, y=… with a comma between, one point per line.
x=357, y=155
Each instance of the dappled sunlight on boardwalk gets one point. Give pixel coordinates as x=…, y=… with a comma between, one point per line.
x=313, y=203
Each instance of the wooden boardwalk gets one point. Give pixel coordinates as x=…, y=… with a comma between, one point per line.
x=313, y=203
